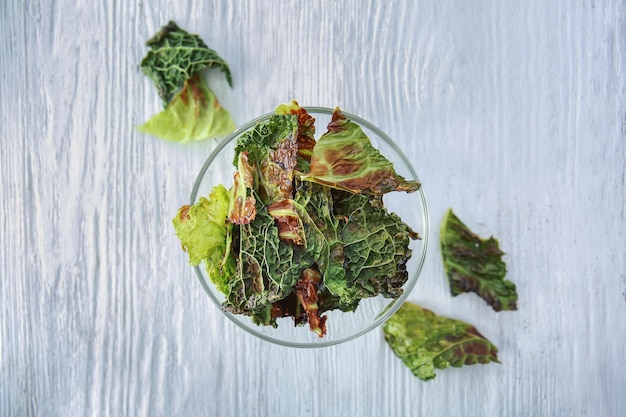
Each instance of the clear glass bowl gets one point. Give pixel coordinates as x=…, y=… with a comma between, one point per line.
x=371, y=312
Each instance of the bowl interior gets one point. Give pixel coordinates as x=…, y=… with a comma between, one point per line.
x=218, y=169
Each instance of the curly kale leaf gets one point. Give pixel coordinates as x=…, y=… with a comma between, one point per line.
x=475, y=265
x=317, y=201
x=308, y=222
x=344, y=158
x=425, y=341
x=273, y=150
x=175, y=56
x=376, y=248
x=300, y=222
x=193, y=114
x=363, y=249
x=289, y=220
x=266, y=136
x=267, y=268
x=306, y=132
x=277, y=147
x=242, y=209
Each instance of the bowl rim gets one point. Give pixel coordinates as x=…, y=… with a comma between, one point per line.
x=394, y=303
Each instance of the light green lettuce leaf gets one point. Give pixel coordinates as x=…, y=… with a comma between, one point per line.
x=193, y=114
x=204, y=233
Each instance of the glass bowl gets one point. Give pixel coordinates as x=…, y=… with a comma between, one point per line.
x=371, y=312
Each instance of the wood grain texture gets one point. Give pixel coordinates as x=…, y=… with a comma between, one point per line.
x=513, y=113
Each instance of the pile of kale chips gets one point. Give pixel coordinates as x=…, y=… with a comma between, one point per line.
x=303, y=228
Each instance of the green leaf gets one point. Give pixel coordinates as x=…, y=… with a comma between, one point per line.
x=267, y=268
x=344, y=158
x=360, y=248
x=425, y=341
x=306, y=132
x=376, y=249
x=203, y=231
x=475, y=265
x=242, y=209
x=175, y=56
x=266, y=136
x=322, y=226
x=193, y=114
x=289, y=220
x=272, y=150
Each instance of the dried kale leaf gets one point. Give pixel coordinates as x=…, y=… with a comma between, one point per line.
x=266, y=136
x=322, y=229
x=344, y=158
x=289, y=220
x=375, y=248
x=307, y=289
x=272, y=151
x=363, y=248
x=425, y=341
x=242, y=208
x=267, y=268
x=473, y=264
x=306, y=133
x=175, y=56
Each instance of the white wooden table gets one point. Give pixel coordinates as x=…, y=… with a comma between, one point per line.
x=513, y=114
